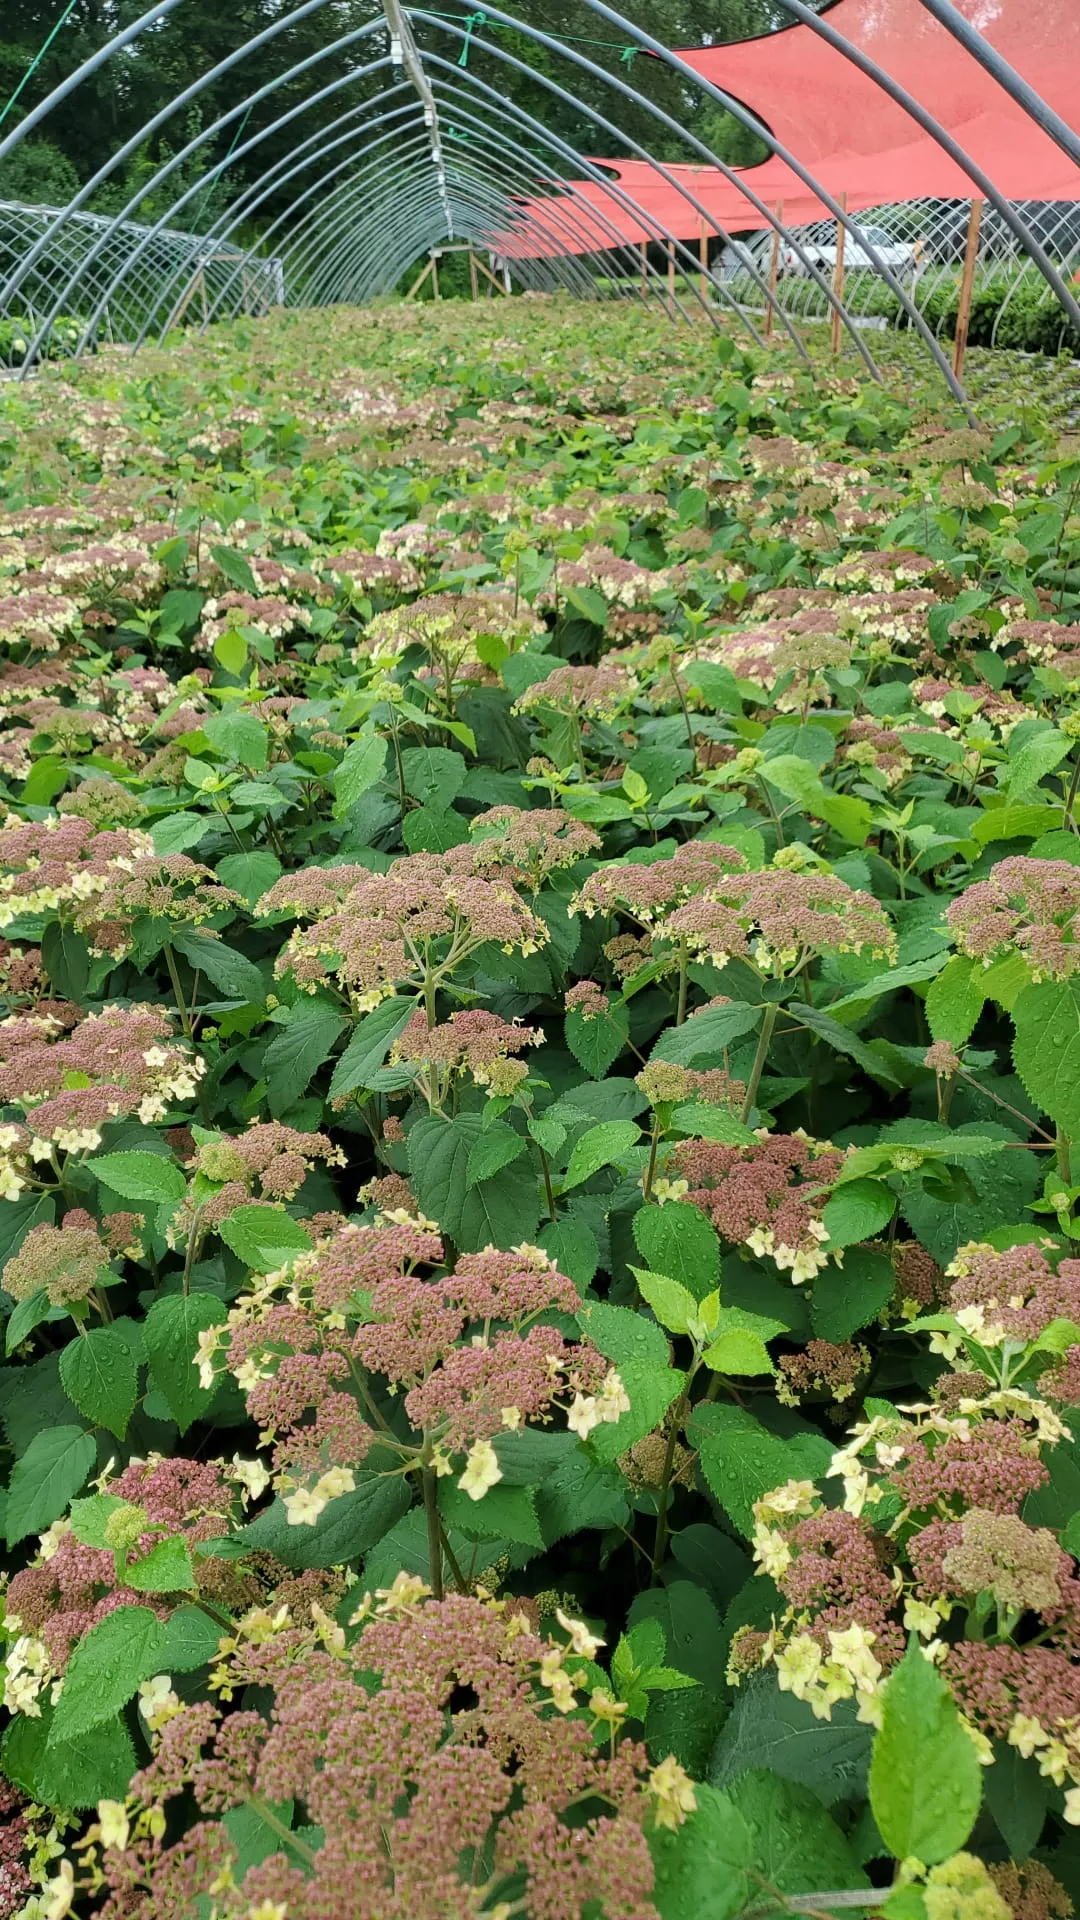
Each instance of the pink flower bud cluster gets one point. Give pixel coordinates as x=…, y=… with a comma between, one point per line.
x=763, y=1197
x=270, y=1158
x=781, y=919
x=1026, y=906
x=428, y=914
x=647, y=890
x=534, y=842
x=472, y=1042
x=59, y=865
x=428, y=1743
x=599, y=693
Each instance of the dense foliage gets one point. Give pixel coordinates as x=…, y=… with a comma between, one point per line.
x=540, y=1151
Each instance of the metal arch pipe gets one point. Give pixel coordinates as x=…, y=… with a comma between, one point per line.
x=198, y=186
x=769, y=218
x=1002, y=70
x=272, y=185
x=821, y=192
x=189, y=94
x=159, y=119
x=616, y=237
x=269, y=184
x=405, y=53
x=312, y=246
x=495, y=209
x=641, y=152
x=945, y=141
x=90, y=65
x=510, y=110
x=499, y=108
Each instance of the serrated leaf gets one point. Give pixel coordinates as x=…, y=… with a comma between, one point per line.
x=265, y=1238
x=293, y=1058
x=603, y=1146
x=678, y=1240
x=742, y=1460
x=673, y=1305
x=43, y=1480
x=350, y=1526
x=597, y=1042
x=955, y=1001
x=239, y=736
x=99, y=1373
x=172, y=1330
x=166, y=1568
x=360, y=768
x=700, y=1870
x=925, y=1778
x=1046, y=1049
x=835, y=1035
x=232, y=973
x=504, y=1513
x=707, y=1035
x=370, y=1045
x=106, y=1669
x=849, y=1297
x=145, y=1177
x=497, y=1147
x=858, y=1211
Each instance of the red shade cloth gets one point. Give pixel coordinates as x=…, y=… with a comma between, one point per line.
x=807, y=93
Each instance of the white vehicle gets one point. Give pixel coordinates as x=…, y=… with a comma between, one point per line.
x=819, y=246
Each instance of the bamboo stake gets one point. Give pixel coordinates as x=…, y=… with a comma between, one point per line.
x=774, y=271
x=967, y=287
x=838, y=276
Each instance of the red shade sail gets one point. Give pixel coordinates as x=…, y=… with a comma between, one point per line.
x=848, y=133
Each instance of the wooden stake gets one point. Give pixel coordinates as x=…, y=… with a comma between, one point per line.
x=703, y=256
x=473, y=281
x=486, y=271
x=838, y=277
x=967, y=287
x=774, y=272
x=435, y=275
x=417, y=284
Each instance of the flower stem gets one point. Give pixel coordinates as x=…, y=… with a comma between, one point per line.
x=764, y=1042
x=548, y=1194
x=651, y=1171
x=663, y=1491
x=684, y=969
x=1064, y=1157
x=434, y=1532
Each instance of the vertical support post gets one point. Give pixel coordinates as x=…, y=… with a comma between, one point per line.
x=473, y=280
x=774, y=271
x=643, y=250
x=671, y=278
x=435, y=276
x=967, y=288
x=703, y=256
x=838, y=275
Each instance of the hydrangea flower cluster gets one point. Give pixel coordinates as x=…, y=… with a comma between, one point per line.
x=1027, y=907
x=473, y=1042
x=409, y=928
x=70, y=1076
x=470, y=1352
x=435, y=1762
x=766, y=1197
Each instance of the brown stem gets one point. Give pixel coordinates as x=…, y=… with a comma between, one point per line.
x=434, y=1532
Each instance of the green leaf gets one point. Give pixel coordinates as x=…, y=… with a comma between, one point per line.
x=504, y=1513
x=146, y=1177
x=190, y=1641
x=171, y=1330
x=739, y=1347
x=849, y=1297
x=1036, y=758
x=433, y=775
x=1015, y=823
x=579, y=1494
x=678, y=1240
x=231, y=651
x=742, y=1460
x=672, y=1304
x=1018, y=1798
x=852, y=819
x=596, y=1043
x=707, y=1035
x=496, y=1148
x=572, y=1245
x=99, y=1374
x=90, y=1517
x=235, y=568
x=45, y=1478
x=97, y=1765
x=239, y=736
x=767, y=1728
x=500, y=1212
x=179, y=832
x=166, y=1568
x=249, y=874
x=955, y=1001
x=350, y=1526
x=106, y=1669
x=603, y=1146
x=835, y=1035
x=370, y=1045
x=439, y=1152
x=292, y=1060
x=925, y=1778
x=796, y=1846
x=434, y=830
x=65, y=956
x=591, y=605
x=361, y=767
x=28, y=1314
x=232, y=973
x=701, y=1869
x=265, y=1238
x=857, y=1211
x=1046, y=1049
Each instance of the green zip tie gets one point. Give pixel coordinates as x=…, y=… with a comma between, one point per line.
x=38, y=58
